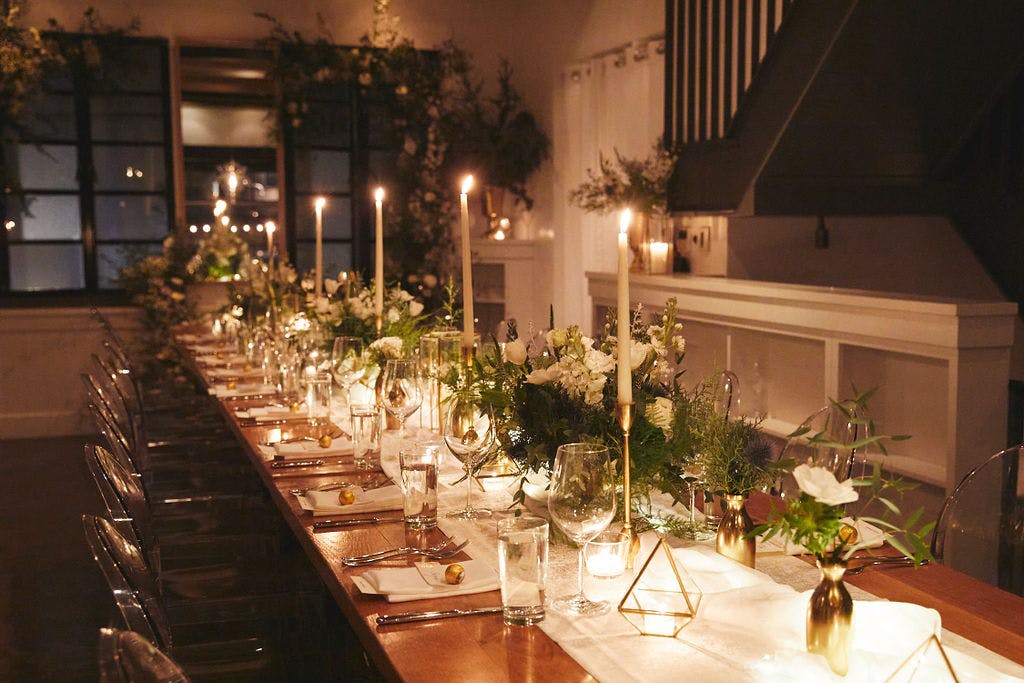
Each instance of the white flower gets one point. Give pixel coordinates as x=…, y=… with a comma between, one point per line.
x=659, y=412
x=515, y=352
x=557, y=338
x=415, y=308
x=543, y=375
x=307, y=284
x=637, y=354
x=331, y=286
x=390, y=347
x=821, y=485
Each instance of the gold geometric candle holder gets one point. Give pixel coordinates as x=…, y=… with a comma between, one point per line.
x=663, y=599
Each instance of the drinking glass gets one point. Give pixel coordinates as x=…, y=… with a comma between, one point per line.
x=348, y=363
x=318, y=402
x=581, y=503
x=468, y=428
x=402, y=391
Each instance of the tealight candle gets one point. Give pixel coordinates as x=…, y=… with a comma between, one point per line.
x=605, y=555
x=658, y=257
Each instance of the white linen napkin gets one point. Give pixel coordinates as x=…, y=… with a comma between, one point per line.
x=425, y=580
x=269, y=413
x=322, y=503
x=304, y=449
x=242, y=390
x=868, y=536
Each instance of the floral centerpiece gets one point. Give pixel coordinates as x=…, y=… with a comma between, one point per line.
x=219, y=256
x=351, y=311
x=561, y=388
x=639, y=184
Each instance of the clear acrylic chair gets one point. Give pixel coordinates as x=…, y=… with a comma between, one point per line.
x=198, y=541
x=980, y=528
x=127, y=657
x=207, y=642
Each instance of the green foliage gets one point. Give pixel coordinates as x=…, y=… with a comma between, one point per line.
x=735, y=456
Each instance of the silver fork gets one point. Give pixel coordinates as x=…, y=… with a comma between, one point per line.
x=890, y=563
x=434, y=548
x=440, y=554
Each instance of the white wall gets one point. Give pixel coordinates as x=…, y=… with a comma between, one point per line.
x=913, y=254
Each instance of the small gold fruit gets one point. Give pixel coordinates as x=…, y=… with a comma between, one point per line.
x=295, y=407
x=325, y=441
x=454, y=574
x=346, y=496
x=232, y=385
x=847, y=534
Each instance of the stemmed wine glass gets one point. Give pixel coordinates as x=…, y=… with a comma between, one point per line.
x=582, y=504
x=348, y=363
x=468, y=428
x=403, y=393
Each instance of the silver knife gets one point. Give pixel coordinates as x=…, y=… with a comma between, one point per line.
x=335, y=523
x=277, y=465
x=406, y=617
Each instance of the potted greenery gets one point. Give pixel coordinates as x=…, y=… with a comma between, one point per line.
x=503, y=140
x=736, y=459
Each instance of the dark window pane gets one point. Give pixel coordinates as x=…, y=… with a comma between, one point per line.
x=48, y=217
x=130, y=118
x=50, y=117
x=381, y=132
x=134, y=66
x=337, y=218
x=318, y=170
x=325, y=124
x=113, y=257
x=129, y=168
x=382, y=167
x=131, y=217
x=36, y=267
x=337, y=257
x=47, y=167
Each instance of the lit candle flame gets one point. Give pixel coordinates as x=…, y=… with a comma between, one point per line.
x=319, y=203
x=467, y=184
x=378, y=194
x=270, y=227
x=625, y=220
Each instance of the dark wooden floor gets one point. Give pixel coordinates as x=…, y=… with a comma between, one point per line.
x=53, y=599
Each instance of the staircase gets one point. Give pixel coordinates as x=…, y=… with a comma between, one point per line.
x=854, y=107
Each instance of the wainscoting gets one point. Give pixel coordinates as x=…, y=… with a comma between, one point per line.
x=42, y=353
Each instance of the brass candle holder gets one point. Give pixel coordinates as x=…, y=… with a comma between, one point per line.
x=624, y=412
x=379, y=323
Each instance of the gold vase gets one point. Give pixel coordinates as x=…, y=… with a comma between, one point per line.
x=732, y=539
x=830, y=618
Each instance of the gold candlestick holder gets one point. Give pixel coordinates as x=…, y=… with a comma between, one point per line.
x=379, y=323
x=625, y=414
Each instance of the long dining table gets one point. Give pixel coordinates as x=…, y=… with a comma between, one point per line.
x=481, y=648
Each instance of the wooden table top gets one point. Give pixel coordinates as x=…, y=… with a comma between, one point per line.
x=481, y=648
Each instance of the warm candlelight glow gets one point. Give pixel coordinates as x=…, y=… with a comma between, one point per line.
x=625, y=218
x=467, y=184
x=320, y=203
x=378, y=194
x=270, y=227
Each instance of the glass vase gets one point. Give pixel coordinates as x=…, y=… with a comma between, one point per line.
x=830, y=617
x=732, y=539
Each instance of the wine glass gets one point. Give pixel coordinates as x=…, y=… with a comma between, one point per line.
x=402, y=391
x=581, y=503
x=348, y=363
x=468, y=428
